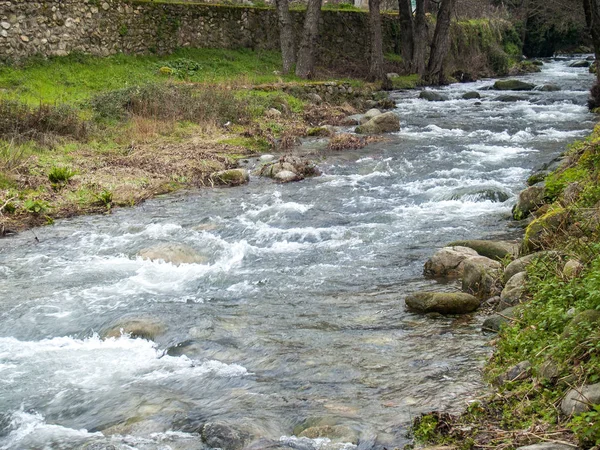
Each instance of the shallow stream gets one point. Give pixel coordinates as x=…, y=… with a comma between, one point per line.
x=298, y=314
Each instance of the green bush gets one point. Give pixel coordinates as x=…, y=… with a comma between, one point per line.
x=36, y=206
x=183, y=68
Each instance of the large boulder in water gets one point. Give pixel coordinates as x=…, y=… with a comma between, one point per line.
x=231, y=177
x=172, y=253
x=448, y=262
x=490, y=249
x=580, y=64
x=471, y=95
x=481, y=276
x=513, y=85
x=432, y=96
x=529, y=200
x=442, y=302
x=384, y=123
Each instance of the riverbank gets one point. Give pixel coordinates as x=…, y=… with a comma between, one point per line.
x=544, y=371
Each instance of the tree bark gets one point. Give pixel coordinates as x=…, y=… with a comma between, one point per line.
x=406, y=33
x=592, y=19
x=286, y=35
x=440, y=44
x=420, y=39
x=376, y=60
x=305, y=66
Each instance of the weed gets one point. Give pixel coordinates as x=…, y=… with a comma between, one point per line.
x=36, y=206
x=61, y=175
x=183, y=68
x=12, y=156
x=105, y=198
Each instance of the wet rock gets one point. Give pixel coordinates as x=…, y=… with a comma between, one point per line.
x=323, y=131
x=529, y=200
x=373, y=112
x=442, y=302
x=172, y=253
x=231, y=177
x=490, y=249
x=471, y=95
x=224, y=436
x=539, y=232
x=580, y=64
x=448, y=262
x=579, y=400
x=286, y=176
x=514, y=291
x=520, y=371
x=432, y=96
x=547, y=446
x=480, y=276
x=384, y=123
x=550, y=88
x=572, y=269
x=495, y=322
x=301, y=168
x=548, y=372
x=511, y=98
x=513, y=85
x=143, y=328
x=584, y=319
x=337, y=433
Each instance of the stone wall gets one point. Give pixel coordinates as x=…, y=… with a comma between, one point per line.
x=103, y=27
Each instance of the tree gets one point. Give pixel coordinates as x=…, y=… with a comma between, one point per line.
x=406, y=33
x=306, y=55
x=376, y=59
x=441, y=43
x=592, y=19
x=286, y=35
x=420, y=39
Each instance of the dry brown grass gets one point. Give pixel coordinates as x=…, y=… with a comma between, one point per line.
x=347, y=141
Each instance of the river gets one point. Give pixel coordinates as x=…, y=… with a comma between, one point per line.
x=298, y=315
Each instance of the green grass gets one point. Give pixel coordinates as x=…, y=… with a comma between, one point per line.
x=75, y=78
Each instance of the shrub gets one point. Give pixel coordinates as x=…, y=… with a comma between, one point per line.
x=11, y=156
x=183, y=68
x=105, y=198
x=61, y=174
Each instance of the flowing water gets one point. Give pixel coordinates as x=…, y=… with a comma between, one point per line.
x=298, y=314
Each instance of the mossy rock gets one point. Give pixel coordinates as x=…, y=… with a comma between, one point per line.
x=495, y=322
x=540, y=232
x=231, y=177
x=529, y=200
x=513, y=85
x=442, y=302
x=324, y=131
x=481, y=276
x=143, y=328
x=471, y=95
x=490, y=249
x=537, y=177
x=584, y=318
x=384, y=123
x=580, y=64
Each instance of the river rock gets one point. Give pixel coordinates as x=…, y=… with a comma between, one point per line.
x=143, y=328
x=432, y=96
x=529, y=200
x=572, y=269
x=224, y=436
x=539, y=233
x=301, y=168
x=471, y=95
x=520, y=265
x=337, y=433
x=550, y=88
x=448, y=262
x=231, y=177
x=442, y=302
x=587, y=318
x=578, y=400
x=286, y=176
x=548, y=372
x=580, y=64
x=323, y=131
x=351, y=120
x=172, y=253
x=495, y=322
x=513, y=85
x=481, y=276
x=384, y=123
x=511, y=98
x=373, y=112
x=490, y=249
x=520, y=371
x=514, y=291
x=547, y=446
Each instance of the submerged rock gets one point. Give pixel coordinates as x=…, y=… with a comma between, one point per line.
x=231, y=177
x=337, y=433
x=513, y=85
x=471, y=95
x=432, y=96
x=442, y=302
x=481, y=276
x=511, y=98
x=580, y=400
x=384, y=123
x=224, y=436
x=490, y=249
x=550, y=88
x=172, y=253
x=144, y=328
x=448, y=262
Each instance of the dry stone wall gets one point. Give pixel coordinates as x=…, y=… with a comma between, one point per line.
x=103, y=27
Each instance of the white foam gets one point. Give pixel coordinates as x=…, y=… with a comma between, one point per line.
x=315, y=444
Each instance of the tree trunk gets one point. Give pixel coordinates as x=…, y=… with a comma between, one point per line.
x=376, y=63
x=306, y=54
x=286, y=35
x=420, y=39
x=406, y=33
x=592, y=19
x=440, y=44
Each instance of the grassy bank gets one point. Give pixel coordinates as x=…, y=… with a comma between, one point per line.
x=554, y=336
x=82, y=134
